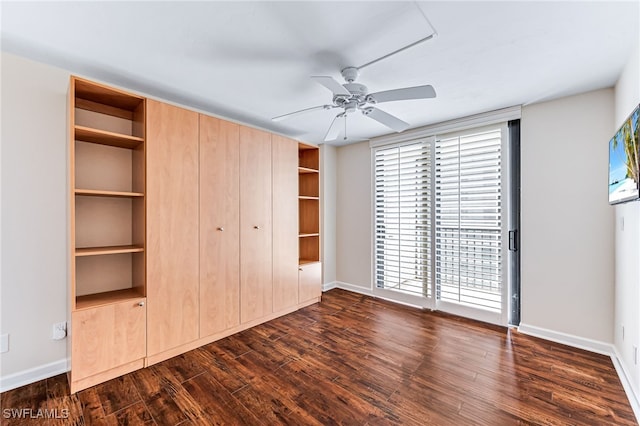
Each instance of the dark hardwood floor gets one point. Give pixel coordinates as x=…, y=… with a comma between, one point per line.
x=352, y=360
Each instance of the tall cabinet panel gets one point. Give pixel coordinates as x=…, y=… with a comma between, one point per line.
x=256, y=285
x=107, y=285
x=219, y=225
x=172, y=227
x=285, y=222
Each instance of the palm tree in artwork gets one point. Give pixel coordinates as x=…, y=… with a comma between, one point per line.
x=630, y=133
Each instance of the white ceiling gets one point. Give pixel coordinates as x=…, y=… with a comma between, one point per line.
x=251, y=61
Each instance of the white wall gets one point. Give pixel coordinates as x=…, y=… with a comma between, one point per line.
x=353, y=220
x=627, y=245
x=328, y=196
x=34, y=212
x=567, y=243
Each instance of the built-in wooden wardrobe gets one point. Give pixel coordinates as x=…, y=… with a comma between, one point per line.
x=185, y=229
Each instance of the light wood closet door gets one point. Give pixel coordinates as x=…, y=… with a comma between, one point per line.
x=172, y=227
x=107, y=337
x=256, y=285
x=285, y=222
x=219, y=225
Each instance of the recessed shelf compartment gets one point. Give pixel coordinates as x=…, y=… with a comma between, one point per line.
x=309, y=216
x=109, y=221
x=309, y=185
x=110, y=116
x=310, y=248
x=103, y=137
x=108, y=272
x=106, y=169
x=108, y=297
x=309, y=157
x=98, y=251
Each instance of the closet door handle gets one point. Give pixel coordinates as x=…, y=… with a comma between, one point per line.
x=256, y=227
x=140, y=303
x=220, y=228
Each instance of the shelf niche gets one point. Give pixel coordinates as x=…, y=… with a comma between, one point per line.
x=108, y=273
x=308, y=204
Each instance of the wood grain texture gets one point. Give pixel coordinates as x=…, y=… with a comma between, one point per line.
x=310, y=281
x=172, y=226
x=355, y=360
x=309, y=216
x=99, y=93
x=219, y=225
x=107, y=336
x=285, y=222
x=256, y=283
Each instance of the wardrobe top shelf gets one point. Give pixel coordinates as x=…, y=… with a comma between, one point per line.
x=103, y=137
x=95, y=92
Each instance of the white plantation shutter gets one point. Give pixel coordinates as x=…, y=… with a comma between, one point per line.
x=403, y=218
x=468, y=219
x=438, y=221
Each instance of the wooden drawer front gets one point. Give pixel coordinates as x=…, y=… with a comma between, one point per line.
x=310, y=281
x=108, y=336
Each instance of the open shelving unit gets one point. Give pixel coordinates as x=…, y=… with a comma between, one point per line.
x=108, y=195
x=308, y=204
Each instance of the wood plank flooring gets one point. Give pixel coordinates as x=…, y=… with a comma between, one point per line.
x=352, y=360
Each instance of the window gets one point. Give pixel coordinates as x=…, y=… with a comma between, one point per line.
x=403, y=218
x=469, y=219
x=439, y=222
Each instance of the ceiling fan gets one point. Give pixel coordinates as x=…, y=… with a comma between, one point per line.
x=352, y=97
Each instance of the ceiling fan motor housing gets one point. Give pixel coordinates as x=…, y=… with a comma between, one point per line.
x=356, y=89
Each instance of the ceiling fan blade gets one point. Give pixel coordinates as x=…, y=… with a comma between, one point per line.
x=387, y=119
x=334, y=129
x=331, y=84
x=302, y=111
x=417, y=92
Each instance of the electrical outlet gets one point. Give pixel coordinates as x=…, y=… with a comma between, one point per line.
x=4, y=343
x=59, y=330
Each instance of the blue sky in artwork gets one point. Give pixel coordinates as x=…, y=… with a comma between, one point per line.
x=617, y=157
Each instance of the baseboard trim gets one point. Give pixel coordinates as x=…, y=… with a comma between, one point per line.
x=329, y=286
x=34, y=374
x=567, y=339
x=627, y=383
x=592, y=346
x=353, y=288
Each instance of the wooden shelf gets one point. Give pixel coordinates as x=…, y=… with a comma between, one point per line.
x=316, y=234
x=307, y=170
x=307, y=197
x=307, y=261
x=100, y=299
x=103, y=137
x=106, y=96
x=100, y=193
x=98, y=251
